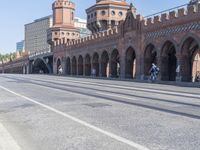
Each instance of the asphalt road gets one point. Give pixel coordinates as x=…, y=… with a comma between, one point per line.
x=43, y=112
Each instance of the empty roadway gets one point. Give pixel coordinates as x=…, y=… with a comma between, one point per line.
x=64, y=113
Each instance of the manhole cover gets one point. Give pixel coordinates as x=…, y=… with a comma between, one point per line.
x=94, y=105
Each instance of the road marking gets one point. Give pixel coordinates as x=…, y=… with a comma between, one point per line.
x=6, y=140
x=109, y=134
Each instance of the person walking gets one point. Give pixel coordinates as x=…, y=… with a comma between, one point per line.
x=154, y=72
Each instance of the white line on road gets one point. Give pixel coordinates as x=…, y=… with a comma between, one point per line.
x=6, y=140
x=109, y=134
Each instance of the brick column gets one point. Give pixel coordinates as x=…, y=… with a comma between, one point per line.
x=159, y=64
x=100, y=73
x=83, y=67
x=122, y=67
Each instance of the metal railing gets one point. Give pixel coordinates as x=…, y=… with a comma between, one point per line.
x=37, y=53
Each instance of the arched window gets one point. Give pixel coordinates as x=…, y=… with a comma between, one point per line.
x=72, y=15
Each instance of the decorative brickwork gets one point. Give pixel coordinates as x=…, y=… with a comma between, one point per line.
x=171, y=41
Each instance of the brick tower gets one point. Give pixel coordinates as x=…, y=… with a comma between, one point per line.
x=63, y=22
x=106, y=14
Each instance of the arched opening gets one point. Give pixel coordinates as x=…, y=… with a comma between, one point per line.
x=115, y=64
x=150, y=56
x=87, y=65
x=68, y=66
x=168, y=62
x=190, y=60
x=39, y=67
x=95, y=64
x=130, y=63
x=58, y=65
x=74, y=66
x=105, y=64
x=80, y=65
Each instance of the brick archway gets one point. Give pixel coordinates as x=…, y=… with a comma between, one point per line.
x=74, y=66
x=87, y=65
x=130, y=63
x=80, y=65
x=115, y=63
x=105, y=64
x=39, y=66
x=150, y=56
x=190, y=61
x=168, y=61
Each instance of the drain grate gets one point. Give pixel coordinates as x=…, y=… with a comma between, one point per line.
x=96, y=105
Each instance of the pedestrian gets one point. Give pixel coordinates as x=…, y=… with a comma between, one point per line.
x=154, y=71
x=60, y=70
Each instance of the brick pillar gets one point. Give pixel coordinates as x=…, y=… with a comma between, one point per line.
x=122, y=66
x=100, y=73
x=109, y=67
x=54, y=65
x=77, y=68
x=92, y=66
x=159, y=63
x=71, y=65
x=64, y=66
x=83, y=67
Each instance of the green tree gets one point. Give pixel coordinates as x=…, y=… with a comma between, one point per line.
x=2, y=57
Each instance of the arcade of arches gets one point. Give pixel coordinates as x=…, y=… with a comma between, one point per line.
x=182, y=62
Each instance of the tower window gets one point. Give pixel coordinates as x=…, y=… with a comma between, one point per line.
x=72, y=15
x=113, y=12
x=120, y=13
x=103, y=12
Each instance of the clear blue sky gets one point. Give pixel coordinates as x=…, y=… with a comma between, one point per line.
x=14, y=14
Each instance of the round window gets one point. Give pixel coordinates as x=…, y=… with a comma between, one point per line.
x=120, y=13
x=113, y=12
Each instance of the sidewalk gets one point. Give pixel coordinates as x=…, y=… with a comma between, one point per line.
x=175, y=83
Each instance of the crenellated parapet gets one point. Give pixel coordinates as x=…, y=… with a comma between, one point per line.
x=63, y=4
x=100, y=36
x=181, y=20
x=172, y=16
